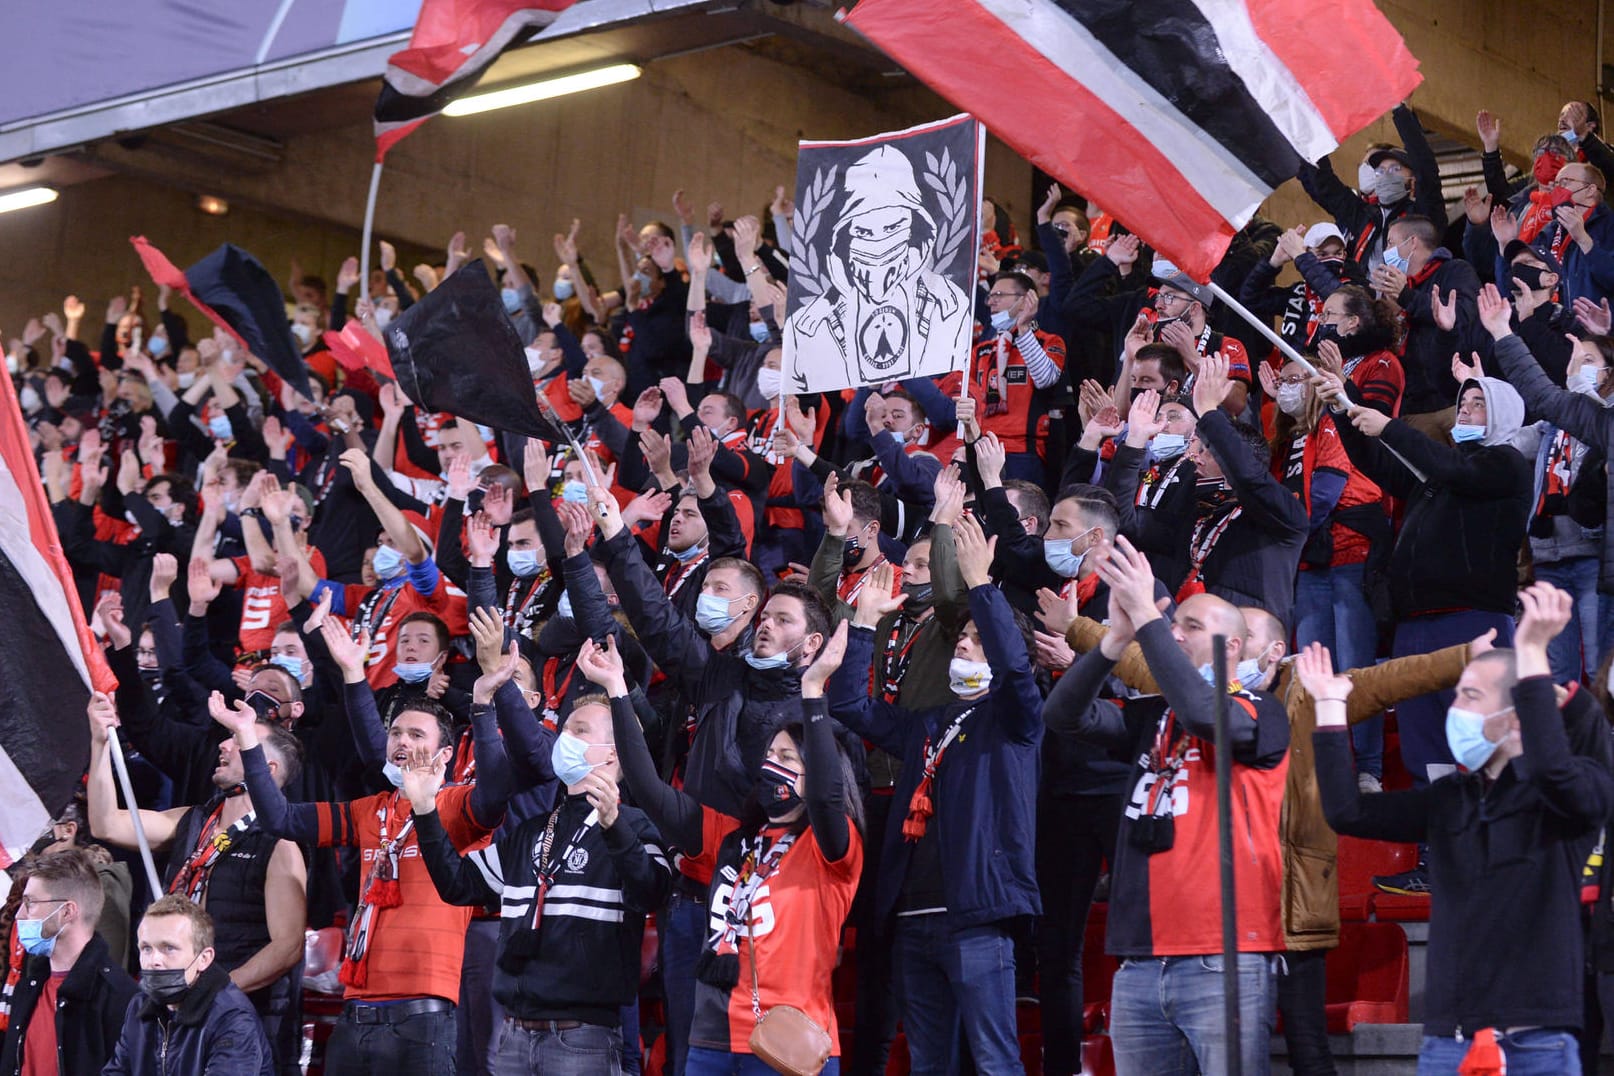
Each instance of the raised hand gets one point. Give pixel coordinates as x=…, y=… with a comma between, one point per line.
x=1477, y=206
x=1315, y=668
x=657, y=451
x=645, y=508
x=535, y=465
x=491, y=680
x=1489, y=126
x=389, y=256
x=109, y=610
x=239, y=719
x=423, y=774
x=1129, y=577
x=603, y=666
x=1056, y=613
x=949, y=497
x=487, y=631
x=458, y=254
x=1211, y=384
x=1445, y=312
x=164, y=572
x=1291, y=245
x=322, y=613
x=1123, y=250
x=975, y=552
x=200, y=584
x=1050, y=202
x=874, y=598
x=700, y=254
x=1546, y=612
x=677, y=395
x=990, y=457
x=579, y=524
x=702, y=450
x=603, y=795
x=357, y=462
x=1595, y=317
x=837, y=508
x=646, y=409
x=103, y=715
x=350, y=654
x=1503, y=226
x=347, y=275
x=1462, y=371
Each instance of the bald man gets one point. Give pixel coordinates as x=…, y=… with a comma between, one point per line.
x=1165, y=906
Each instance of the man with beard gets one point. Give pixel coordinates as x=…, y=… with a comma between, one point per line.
x=253, y=884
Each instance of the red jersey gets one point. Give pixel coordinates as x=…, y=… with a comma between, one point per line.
x=380, y=609
x=1322, y=450
x=262, y=605
x=794, y=935
x=1004, y=403
x=416, y=948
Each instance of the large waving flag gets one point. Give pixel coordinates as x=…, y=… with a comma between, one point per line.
x=454, y=42
x=48, y=659
x=1179, y=117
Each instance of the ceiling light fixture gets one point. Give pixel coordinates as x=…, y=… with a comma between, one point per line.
x=544, y=90
x=25, y=197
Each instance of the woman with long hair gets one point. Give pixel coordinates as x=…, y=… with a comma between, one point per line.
x=784, y=873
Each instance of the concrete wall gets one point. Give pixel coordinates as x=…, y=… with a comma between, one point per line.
x=722, y=124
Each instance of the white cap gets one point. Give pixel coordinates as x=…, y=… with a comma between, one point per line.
x=1321, y=231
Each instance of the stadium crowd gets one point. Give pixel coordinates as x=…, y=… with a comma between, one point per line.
x=916, y=673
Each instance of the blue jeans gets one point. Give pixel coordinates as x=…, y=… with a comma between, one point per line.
x=1166, y=1015
x=1574, y=654
x=948, y=978
x=578, y=1051
x=1422, y=718
x=1541, y=1051
x=704, y=1062
x=1331, y=608
x=683, y=932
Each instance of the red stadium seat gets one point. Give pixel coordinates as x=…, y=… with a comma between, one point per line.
x=1359, y=862
x=1098, y=1056
x=1367, y=977
x=322, y=956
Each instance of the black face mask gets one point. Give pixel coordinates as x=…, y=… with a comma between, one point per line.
x=165, y=986
x=919, y=595
x=853, y=552
x=776, y=789
x=1528, y=276
x=1325, y=332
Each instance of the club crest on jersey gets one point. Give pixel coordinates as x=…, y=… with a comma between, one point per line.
x=577, y=862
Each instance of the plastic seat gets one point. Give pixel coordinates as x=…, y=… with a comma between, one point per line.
x=1367, y=977
x=1098, y=1056
x=322, y=959
x=1359, y=861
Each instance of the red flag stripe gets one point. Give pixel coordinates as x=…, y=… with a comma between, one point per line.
x=36, y=552
x=1065, y=129
x=1353, y=61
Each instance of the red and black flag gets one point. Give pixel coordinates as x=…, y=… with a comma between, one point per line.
x=238, y=295
x=1178, y=117
x=456, y=350
x=454, y=42
x=49, y=662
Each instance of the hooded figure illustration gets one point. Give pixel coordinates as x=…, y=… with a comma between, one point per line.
x=886, y=315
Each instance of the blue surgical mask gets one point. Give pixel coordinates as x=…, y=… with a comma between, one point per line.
x=643, y=280
x=597, y=384
x=1207, y=673
x=187, y=379
x=574, y=491
x=759, y=332
x=158, y=346
x=1249, y=673
x=712, y=614
x=413, y=672
x=219, y=426
x=388, y=562
x=1396, y=260
x=899, y=436
x=563, y=290
x=684, y=556
x=780, y=660
x=1462, y=433
x=1571, y=137
x=31, y=935
x=569, y=759
x=1465, y=735
x=1583, y=380
x=392, y=773
x=291, y=663
x=523, y=563
x=1057, y=555
x=511, y=299
x=1001, y=321
x=563, y=607
x=1168, y=446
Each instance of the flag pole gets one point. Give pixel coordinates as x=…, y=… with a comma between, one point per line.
x=369, y=226
x=122, y=769
x=1224, y=839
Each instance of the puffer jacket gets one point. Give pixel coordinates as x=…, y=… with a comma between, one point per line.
x=215, y=1029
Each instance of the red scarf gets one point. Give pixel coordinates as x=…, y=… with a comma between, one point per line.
x=921, y=808
x=380, y=891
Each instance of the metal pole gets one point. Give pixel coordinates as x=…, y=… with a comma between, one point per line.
x=1224, y=835
x=121, y=767
x=369, y=226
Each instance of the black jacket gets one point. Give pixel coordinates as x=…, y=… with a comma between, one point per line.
x=90, y=1004
x=1428, y=349
x=1464, y=522
x=214, y=1030
x=1255, y=560
x=1156, y=507
x=1505, y=863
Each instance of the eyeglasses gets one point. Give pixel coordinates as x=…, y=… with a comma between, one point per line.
x=1170, y=297
x=34, y=902
x=1005, y=295
x=1573, y=186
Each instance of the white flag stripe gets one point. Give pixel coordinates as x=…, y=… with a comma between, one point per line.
x=22, y=816
x=584, y=892
x=1220, y=178
x=17, y=545
x=1280, y=94
x=582, y=911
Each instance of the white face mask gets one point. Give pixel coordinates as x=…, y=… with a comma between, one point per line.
x=968, y=677
x=1583, y=380
x=383, y=317
x=769, y=382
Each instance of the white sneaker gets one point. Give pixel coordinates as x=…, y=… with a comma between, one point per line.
x=1366, y=782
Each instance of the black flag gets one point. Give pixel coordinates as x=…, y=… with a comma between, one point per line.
x=457, y=351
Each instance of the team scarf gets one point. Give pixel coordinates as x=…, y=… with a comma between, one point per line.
x=759, y=861
x=380, y=891
x=894, y=657
x=522, y=945
x=1208, y=530
x=193, y=876
x=921, y=805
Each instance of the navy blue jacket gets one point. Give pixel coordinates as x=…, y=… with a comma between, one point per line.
x=1588, y=275
x=986, y=784
x=214, y=1030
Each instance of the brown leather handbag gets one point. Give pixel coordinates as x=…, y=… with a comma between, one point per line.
x=785, y=1037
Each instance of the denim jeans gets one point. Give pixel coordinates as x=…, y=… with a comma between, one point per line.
x=419, y=1045
x=479, y=1016
x=1541, y=1051
x=579, y=1051
x=1166, y=1015
x=948, y=978
x=1331, y=608
x=683, y=932
x=704, y=1062
x=1574, y=654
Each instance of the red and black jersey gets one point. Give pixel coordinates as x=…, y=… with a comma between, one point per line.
x=1168, y=903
